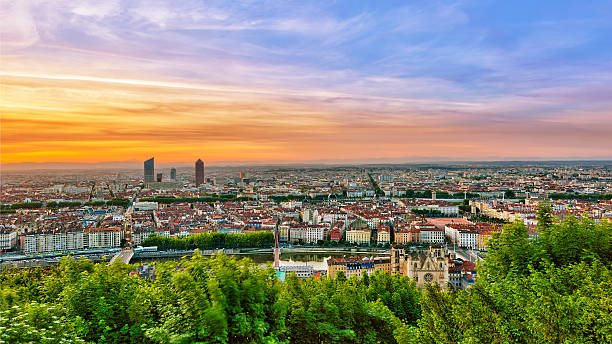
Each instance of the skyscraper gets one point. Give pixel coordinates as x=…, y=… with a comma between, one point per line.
x=173, y=173
x=149, y=171
x=199, y=172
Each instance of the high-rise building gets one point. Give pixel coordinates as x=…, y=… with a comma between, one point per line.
x=149, y=171
x=173, y=173
x=159, y=177
x=199, y=172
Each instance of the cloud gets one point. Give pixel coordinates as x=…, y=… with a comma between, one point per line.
x=274, y=80
x=95, y=9
x=17, y=27
x=428, y=17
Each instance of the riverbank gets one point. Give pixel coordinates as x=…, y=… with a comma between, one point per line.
x=48, y=262
x=332, y=251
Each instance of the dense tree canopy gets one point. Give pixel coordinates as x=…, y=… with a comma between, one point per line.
x=429, y=213
x=440, y=194
x=582, y=197
x=211, y=240
x=553, y=288
x=205, y=199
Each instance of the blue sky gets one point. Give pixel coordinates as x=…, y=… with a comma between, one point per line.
x=533, y=75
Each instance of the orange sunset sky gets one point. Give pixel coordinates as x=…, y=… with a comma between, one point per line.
x=90, y=81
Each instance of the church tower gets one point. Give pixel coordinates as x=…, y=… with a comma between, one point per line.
x=428, y=267
x=276, y=248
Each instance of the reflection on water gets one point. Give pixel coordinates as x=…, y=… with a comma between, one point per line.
x=316, y=260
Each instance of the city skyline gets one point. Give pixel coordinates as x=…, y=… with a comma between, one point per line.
x=348, y=82
x=188, y=165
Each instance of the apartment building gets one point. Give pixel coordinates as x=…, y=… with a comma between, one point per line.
x=54, y=242
x=104, y=237
x=310, y=233
x=462, y=235
x=351, y=266
x=383, y=235
x=358, y=236
x=8, y=240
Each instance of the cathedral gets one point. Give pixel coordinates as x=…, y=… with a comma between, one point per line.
x=429, y=266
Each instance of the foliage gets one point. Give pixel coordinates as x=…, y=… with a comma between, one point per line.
x=286, y=198
x=544, y=217
x=24, y=205
x=486, y=218
x=377, y=190
x=429, y=213
x=216, y=300
x=220, y=300
x=554, y=288
x=571, y=241
x=121, y=202
x=63, y=204
x=302, y=197
x=334, y=311
x=465, y=207
x=582, y=197
x=36, y=323
x=440, y=194
x=211, y=240
x=207, y=199
x=556, y=305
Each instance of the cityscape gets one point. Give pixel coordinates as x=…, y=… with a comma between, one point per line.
x=354, y=219
x=305, y=172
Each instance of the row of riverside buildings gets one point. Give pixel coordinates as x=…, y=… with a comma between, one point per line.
x=458, y=231
x=357, y=266
x=88, y=238
x=462, y=234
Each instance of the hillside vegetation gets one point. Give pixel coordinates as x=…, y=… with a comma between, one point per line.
x=554, y=289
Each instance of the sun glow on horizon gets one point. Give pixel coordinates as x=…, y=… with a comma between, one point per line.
x=308, y=84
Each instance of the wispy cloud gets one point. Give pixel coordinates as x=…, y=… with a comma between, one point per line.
x=323, y=80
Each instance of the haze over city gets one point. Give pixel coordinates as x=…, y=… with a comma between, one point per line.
x=349, y=81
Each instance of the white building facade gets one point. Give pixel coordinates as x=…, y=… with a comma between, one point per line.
x=310, y=234
x=8, y=240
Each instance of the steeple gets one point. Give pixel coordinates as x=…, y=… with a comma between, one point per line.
x=276, y=248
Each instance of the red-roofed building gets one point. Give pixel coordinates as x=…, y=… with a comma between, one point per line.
x=337, y=232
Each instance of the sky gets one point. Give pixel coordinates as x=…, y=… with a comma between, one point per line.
x=306, y=81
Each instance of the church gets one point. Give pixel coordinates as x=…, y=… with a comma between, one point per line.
x=425, y=266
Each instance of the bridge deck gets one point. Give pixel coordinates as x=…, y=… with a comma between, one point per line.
x=124, y=256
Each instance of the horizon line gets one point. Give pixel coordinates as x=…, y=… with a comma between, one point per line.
x=61, y=165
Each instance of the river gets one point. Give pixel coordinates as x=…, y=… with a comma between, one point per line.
x=316, y=259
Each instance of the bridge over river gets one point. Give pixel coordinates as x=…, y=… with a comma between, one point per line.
x=123, y=255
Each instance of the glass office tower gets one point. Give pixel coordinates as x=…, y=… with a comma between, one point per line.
x=149, y=171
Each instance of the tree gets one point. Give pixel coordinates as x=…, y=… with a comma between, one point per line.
x=509, y=252
x=545, y=217
x=37, y=323
x=551, y=289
